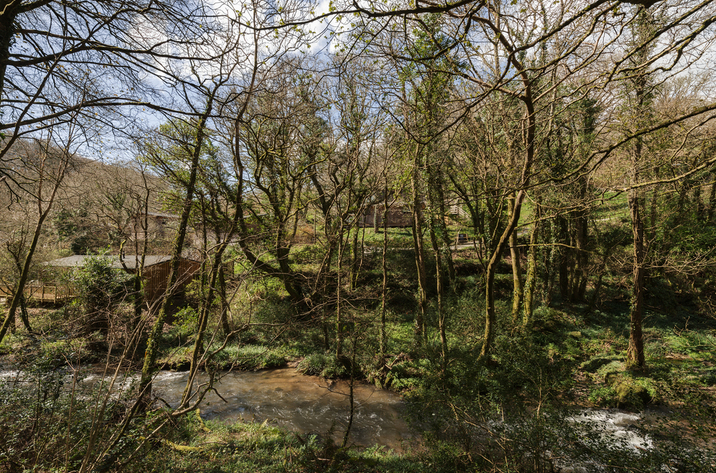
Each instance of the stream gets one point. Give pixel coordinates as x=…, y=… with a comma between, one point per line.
x=303, y=404
x=313, y=405
x=280, y=397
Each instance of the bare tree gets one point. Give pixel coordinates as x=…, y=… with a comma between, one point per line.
x=44, y=167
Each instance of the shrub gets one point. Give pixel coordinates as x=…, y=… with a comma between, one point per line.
x=183, y=328
x=248, y=357
x=47, y=421
x=101, y=289
x=318, y=364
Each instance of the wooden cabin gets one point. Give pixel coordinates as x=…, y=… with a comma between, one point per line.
x=399, y=216
x=156, y=270
x=159, y=226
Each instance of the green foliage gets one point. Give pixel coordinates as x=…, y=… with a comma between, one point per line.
x=183, y=328
x=63, y=352
x=604, y=396
x=694, y=344
x=248, y=357
x=100, y=286
x=408, y=374
x=325, y=365
x=101, y=290
x=308, y=254
x=47, y=420
x=274, y=308
x=239, y=447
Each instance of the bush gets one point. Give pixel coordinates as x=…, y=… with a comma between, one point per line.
x=318, y=364
x=47, y=421
x=183, y=329
x=248, y=357
x=61, y=352
x=308, y=254
x=101, y=289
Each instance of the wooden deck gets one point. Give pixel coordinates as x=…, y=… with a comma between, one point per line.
x=42, y=293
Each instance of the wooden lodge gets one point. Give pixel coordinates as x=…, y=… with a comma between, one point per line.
x=399, y=216
x=152, y=226
x=156, y=270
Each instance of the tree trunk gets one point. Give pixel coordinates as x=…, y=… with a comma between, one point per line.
x=531, y=280
x=580, y=223
x=23, y=314
x=225, y=326
x=642, y=108
x=564, y=258
x=712, y=200
x=18, y=296
x=7, y=34
x=635, y=352
x=490, y=316
x=440, y=293
x=355, y=258
x=516, y=268
x=150, y=354
x=420, y=332
x=215, y=272
x=339, y=293
x=384, y=287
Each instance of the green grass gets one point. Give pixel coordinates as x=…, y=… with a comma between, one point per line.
x=249, y=357
x=613, y=206
x=239, y=447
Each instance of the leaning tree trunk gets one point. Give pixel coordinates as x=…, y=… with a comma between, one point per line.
x=490, y=316
x=529, y=127
x=150, y=354
x=20, y=288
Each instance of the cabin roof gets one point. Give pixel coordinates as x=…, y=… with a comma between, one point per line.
x=77, y=261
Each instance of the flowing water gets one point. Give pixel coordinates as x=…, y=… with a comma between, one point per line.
x=616, y=426
x=303, y=404
x=313, y=405
x=280, y=397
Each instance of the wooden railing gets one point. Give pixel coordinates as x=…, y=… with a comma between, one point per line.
x=42, y=292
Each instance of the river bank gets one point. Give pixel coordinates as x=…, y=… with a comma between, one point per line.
x=557, y=397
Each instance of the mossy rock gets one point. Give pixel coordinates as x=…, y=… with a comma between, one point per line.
x=630, y=393
x=708, y=376
x=594, y=364
x=181, y=364
x=610, y=370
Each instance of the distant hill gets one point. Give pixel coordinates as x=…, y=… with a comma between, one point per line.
x=93, y=206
